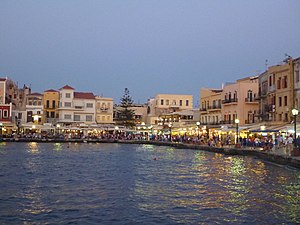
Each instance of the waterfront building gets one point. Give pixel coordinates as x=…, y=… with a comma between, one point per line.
x=50, y=106
x=104, y=110
x=76, y=108
x=263, y=90
x=239, y=101
x=7, y=87
x=165, y=104
x=280, y=94
x=34, y=108
x=297, y=83
x=210, y=106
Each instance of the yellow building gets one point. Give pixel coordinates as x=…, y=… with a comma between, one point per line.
x=165, y=104
x=104, y=110
x=50, y=106
x=210, y=106
x=280, y=96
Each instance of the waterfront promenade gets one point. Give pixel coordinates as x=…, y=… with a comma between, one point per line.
x=276, y=155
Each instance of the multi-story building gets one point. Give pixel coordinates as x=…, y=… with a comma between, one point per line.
x=297, y=83
x=263, y=89
x=51, y=104
x=210, y=106
x=280, y=95
x=34, y=108
x=7, y=87
x=239, y=101
x=104, y=110
x=76, y=108
x=165, y=104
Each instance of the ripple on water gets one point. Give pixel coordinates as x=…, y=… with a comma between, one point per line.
x=122, y=184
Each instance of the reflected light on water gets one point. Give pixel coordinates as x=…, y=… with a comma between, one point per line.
x=57, y=147
x=33, y=147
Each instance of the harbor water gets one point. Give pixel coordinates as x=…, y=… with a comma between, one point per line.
x=111, y=183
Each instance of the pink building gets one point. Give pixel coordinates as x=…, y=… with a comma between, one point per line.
x=239, y=101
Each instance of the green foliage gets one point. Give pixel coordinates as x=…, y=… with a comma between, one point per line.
x=125, y=115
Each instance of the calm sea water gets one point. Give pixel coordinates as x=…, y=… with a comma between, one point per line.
x=47, y=183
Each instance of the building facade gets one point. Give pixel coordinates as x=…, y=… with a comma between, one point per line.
x=280, y=95
x=297, y=83
x=34, y=108
x=165, y=104
x=210, y=106
x=104, y=110
x=50, y=106
x=239, y=101
x=76, y=108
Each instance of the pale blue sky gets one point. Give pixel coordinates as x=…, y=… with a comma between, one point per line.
x=150, y=47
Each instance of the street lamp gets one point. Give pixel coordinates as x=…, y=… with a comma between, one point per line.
x=198, y=124
x=237, y=121
x=295, y=114
x=170, y=128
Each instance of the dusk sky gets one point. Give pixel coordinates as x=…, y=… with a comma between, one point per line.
x=150, y=47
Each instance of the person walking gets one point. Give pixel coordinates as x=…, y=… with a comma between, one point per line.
x=289, y=145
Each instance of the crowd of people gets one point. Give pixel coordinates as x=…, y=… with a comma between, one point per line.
x=264, y=142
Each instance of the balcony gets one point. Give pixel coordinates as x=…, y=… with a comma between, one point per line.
x=102, y=109
x=230, y=101
x=251, y=100
x=214, y=108
x=203, y=109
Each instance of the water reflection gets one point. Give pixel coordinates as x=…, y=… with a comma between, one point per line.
x=33, y=147
x=92, y=183
x=57, y=146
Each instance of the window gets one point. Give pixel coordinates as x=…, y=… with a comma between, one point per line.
x=285, y=100
x=5, y=113
x=67, y=116
x=297, y=76
x=284, y=82
x=52, y=115
x=68, y=95
x=47, y=114
x=53, y=104
x=89, y=118
x=180, y=102
x=279, y=83
x=161, y=102
x=47, y=104
x=174, y=102
x=280, y=101
x=167, y=102
x=89, y=105
x=67, y=104
x=187, y=102
x=76, y=117
x=103, y=118
x=270, y=81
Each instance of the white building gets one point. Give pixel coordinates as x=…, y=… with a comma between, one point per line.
x=76, y=108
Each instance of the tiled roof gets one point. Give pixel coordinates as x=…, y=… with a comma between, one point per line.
x=2, y=79
x=67, y=87
x=84, y=95
x=51, y=90
x=35, y=93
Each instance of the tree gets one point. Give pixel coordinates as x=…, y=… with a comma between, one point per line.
x=125, y=115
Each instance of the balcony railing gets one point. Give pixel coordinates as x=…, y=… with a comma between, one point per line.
x=214, y=107
x=254, y=100
x=228, y=101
